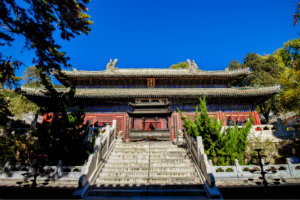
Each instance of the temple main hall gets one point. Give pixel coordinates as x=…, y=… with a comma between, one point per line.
x=145, y=102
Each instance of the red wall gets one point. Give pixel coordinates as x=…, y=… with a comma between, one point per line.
x=103, y=118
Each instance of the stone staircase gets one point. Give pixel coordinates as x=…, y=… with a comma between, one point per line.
x=145, y=170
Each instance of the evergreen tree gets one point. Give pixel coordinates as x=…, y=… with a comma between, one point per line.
x=222, y=147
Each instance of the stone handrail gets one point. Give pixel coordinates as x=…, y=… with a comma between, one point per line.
x=197, y=151
x=287, y=170
x=102, y=147
x=200, y=159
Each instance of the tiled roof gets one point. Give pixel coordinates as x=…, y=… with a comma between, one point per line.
x=127, y=73
x=100, y=93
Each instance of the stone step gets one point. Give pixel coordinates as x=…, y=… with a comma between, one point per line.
x=144, y=153
x=180, y=164
x=154, y=160
x=172, y=174
x=120, y=146
x=122, y=180
x=146, y=174
x=150, y=187
x=123, y=174
x=131, y=150
x=152, y=156
x=145, y=180
x=132, y=165
x=145, y=169
x=170, y=153
x=112, y=160
x=148, y=194
x=146, y=165
x=149, y=149
x=145, y=143
x=167, y=150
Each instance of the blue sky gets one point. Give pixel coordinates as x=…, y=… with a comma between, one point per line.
x=158, y=33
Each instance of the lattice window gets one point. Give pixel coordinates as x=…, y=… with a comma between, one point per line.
x=150, y=82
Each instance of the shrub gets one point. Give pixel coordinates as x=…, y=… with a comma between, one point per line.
x=222, y=147
x=220, y=170
x=229, y=170
x=246, y=169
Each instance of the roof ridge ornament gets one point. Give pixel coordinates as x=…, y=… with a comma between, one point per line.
x=111, y=66
x=192, y=65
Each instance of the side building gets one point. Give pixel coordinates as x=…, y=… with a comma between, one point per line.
x=145, y=101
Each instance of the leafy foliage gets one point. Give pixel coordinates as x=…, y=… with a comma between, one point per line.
x=39, y=22
x=269, y=149
x=6, y=148
x=234, y=64
x=222, y=146
x=266, y=71
x=7, y=72
x=19, y=104
x=36, y=21
x=65, y=136
x=290, y=77
x=4, y=111
x=180, y=65
x=32, y=77
x=297, y=14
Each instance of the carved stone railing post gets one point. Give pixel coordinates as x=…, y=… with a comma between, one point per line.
x=115, y=133
x=239, y=171
x=107, y=130
x=291, y=167
x=59, y=169
x=213, y=170
x=199, y=142
x=100, y=152
x=127, y=129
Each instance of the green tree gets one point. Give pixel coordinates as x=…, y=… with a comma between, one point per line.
x=234, y=64
x=290, y=97
x=6, y=148
x=290, y=77
x=265, y=71
x=7, y=71
x=31, y=77
x=37, y=21
x=5, y=113
x=180, y=65
x=19, y=104
x=64, y=138
x=297, y=14
x=222, y=147
x=16, y=147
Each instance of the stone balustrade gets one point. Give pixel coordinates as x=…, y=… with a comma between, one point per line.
x=287, y=170
x=10, y=174
x=103, y=145
x=199, y=157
